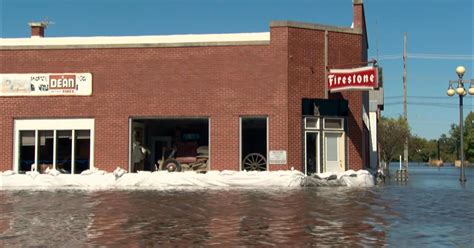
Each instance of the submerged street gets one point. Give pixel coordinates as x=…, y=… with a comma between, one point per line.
x=431, y=209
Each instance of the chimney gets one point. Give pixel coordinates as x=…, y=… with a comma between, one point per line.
x=37, y=29
x=359, y=18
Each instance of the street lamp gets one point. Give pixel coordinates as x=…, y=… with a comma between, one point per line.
x=460, y=70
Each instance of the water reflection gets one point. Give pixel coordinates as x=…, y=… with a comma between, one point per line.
x=191, y=218
x=418, y=213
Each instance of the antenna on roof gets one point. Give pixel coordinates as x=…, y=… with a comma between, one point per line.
x=46, y=21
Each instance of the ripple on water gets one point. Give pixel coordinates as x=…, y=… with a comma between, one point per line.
x=399, y=215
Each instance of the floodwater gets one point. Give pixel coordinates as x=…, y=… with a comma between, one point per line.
x=431, y=210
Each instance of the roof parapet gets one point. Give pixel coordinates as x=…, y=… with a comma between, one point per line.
x=306, y=25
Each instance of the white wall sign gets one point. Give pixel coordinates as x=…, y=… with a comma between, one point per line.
x=277, y=157
x=46, y=84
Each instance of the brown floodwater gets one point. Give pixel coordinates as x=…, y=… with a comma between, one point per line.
x=432, y=209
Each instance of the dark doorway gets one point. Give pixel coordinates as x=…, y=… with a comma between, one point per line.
x=312, y=145
x=254, y=143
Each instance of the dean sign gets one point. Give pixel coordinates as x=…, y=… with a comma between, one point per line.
x=46, y=84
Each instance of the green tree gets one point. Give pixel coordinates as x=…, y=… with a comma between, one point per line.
x=469, y=137
x=420, y=149
x=391, y=136
x=448, y=148
x=454, y=141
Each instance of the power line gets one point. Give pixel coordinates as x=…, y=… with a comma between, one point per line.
x=422, y=97
x=441, y=56
x=426, y=104
x=428, y=56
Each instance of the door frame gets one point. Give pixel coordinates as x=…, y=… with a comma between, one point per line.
x=267, y=132
x=342, y=146
x=318, y=169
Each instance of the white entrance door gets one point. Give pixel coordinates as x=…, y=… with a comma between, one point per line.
x=334, y=152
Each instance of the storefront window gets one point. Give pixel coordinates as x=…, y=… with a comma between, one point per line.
x=45, y=149
x=82, y=154
x=64, y=151
x=27, y=150
x=61, y=144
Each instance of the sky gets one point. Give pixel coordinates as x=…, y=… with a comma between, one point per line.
x=439, y=37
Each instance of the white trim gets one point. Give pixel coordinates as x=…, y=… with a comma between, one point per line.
x=352, y=88
x=36, y=145
x=317, y=123
x=124, y=40
x=331, y=118
x=51, y=124
x=73, y=151
x=352, y=70
x=318, y=152
x=373, y=140
x=55, y=146
x=54, y=124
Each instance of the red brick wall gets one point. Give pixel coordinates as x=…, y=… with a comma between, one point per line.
x=346, y=49
x=305, y=80
x=222, y=83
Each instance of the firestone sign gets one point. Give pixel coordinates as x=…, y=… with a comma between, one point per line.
x=46, y=84
x=363, y=78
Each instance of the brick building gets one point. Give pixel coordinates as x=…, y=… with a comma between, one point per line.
x=247, y=101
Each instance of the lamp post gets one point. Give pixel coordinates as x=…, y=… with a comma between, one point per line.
x=461, y=92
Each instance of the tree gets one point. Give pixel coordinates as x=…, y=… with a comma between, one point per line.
x=469, y=136
x=454, y=141
x=420, y=149
x=391, y=135
x=448, y=148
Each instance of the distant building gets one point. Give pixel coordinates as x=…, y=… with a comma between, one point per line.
x=228, y=101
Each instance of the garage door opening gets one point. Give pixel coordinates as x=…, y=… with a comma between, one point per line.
x=253, y=143
x=173, y=144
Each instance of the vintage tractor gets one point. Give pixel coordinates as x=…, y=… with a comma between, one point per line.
x=184, y=156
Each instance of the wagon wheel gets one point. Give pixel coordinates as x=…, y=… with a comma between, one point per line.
x=255, y=161
x=172, y=165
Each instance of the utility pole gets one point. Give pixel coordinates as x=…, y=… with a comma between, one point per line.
x=405, y=149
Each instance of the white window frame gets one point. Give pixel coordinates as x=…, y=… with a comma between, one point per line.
x=339, y=119
x=54, y=125
x=312, y=128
